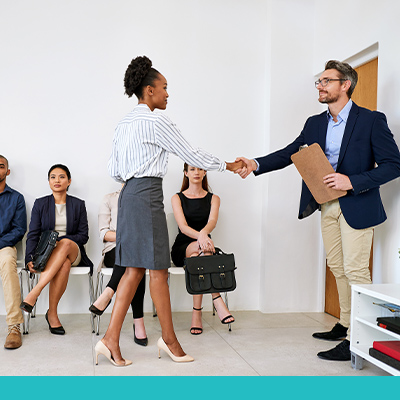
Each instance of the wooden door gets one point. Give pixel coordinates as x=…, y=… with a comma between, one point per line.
x=365, y=95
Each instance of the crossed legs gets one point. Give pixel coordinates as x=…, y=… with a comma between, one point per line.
x=56, y=273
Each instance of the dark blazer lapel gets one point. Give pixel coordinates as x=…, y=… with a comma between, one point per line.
x=351, y=121
x=322, y=127
x=70, y=214
x=52, y=212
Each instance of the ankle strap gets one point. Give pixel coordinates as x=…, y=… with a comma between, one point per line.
x=215, y=298
x=197, y=309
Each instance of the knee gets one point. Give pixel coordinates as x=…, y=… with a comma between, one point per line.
x=134, y=273
x=337, y=270
x=65, y=247
x=158, y=276
x=8, y=264
x=360, y=276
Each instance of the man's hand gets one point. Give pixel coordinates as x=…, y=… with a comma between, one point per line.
x=235, y=166
x=248, y=167
x=338, y=181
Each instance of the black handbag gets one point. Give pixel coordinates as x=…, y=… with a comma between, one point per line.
x=210, y=274
x=44, y=248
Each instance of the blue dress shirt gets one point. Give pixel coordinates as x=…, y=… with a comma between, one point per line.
x=12, y=217
x=334, y=134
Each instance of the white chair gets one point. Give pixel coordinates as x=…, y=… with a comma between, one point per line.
x=174, y=270
x=82, y=271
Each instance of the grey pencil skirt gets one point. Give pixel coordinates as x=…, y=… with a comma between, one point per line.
x=142, y=235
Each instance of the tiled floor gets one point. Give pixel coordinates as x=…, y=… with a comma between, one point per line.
x=259, y=344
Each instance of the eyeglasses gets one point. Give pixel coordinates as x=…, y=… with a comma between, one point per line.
x=324, y=82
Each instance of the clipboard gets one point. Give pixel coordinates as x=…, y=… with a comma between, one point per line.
x=312, y=164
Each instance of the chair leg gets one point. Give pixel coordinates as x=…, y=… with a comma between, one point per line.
x=34, y=281
x=22, y=299
x=91, y=296
x=212, y=305
x=99, y=291
x=226, y=302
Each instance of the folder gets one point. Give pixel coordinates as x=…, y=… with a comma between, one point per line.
x=389, y=323
x=384, y=358
x=389, y=347
x=312, y=164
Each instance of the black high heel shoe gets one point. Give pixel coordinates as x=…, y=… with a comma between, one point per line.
x=27, y=307
x=194, y=328
x=224, y=320
x=93, y=309
x=59, y=330
x=140, y=342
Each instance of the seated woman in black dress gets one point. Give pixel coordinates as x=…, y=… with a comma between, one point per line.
x=108, y=214
x=67, y=215
x=196, y=212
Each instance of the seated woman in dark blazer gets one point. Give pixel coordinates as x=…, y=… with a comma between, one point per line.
x=67, y=215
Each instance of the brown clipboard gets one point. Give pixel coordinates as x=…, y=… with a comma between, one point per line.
x=312, y=164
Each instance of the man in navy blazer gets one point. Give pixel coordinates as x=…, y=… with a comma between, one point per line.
x=364, y=155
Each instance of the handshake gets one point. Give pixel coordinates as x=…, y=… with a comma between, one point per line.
x=242, y=166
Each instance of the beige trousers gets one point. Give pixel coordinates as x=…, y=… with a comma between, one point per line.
x=347, y=251
x=11, y=286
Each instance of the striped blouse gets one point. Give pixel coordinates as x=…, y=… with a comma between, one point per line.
x=143, y=141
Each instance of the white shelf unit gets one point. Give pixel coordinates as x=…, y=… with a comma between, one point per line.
x=364, y=328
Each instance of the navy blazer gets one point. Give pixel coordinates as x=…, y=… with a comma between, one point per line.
x=367, y=140
x=43, y=218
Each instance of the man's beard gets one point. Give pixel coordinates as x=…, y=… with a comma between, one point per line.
x=330, y=98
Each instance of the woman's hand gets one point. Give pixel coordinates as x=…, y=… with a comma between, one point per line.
x=248, y=167
x=205, y=243
x=30, y=267
x=238, y=165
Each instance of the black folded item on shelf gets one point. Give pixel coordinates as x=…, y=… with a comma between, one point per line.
x=389, y=323
x=384, y=358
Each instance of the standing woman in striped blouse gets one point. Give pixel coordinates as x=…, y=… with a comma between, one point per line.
x=141, y=145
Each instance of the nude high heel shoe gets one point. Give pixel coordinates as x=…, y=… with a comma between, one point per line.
x=101, y=348
x=162, y=346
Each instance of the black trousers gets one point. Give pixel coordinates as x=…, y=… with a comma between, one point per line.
x=137, y=301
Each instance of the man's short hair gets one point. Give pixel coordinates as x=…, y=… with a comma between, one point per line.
x=345, y=72
x=5, y=160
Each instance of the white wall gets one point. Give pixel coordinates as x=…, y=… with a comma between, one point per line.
x=291, y=270
x=61, y=79
x=361, y=25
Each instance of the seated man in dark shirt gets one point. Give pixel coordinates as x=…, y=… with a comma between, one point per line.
x=12, y=230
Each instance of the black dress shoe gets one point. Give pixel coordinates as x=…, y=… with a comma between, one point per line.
x=59, y=330
x=93, y=309
x=27, y=307
x=140, y=342
x=338, y=332
x=339, y=353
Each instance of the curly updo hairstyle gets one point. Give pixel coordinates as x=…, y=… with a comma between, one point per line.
x=139, y=75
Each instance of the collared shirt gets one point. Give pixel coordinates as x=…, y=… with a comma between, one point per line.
x=12, y=217
x=143, y=141
x=334, y=134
